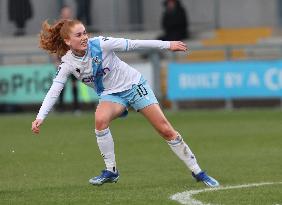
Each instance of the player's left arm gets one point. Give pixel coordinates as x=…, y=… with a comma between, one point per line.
x=121, y=44
x=178, y=46
x=156, y=44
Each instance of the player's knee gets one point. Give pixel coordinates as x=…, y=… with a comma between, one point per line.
x=101, y=122
x=166, y=131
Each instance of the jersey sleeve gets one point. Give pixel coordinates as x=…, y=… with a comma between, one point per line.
x=122, y=44
x=54, y=91
x=114, y=44
x=146, y=44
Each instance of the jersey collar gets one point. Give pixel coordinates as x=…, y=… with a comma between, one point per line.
x=79, y=57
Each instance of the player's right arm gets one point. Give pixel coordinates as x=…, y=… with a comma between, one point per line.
x=51, y=97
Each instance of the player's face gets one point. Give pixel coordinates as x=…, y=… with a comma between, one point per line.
x=78, y=39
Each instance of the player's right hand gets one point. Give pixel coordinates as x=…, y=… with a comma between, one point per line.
x=35, y=126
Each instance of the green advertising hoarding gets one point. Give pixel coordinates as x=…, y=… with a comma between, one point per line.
x=28, y=84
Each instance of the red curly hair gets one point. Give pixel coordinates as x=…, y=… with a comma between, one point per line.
x=51, y=37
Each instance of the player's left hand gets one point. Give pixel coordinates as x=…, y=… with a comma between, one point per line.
x=177, y=46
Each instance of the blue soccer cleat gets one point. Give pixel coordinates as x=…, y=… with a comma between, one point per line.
x=207, y=180
x=105, y=177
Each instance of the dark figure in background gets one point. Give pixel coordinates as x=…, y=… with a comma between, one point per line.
x=19, y=12
x=66, y=13
x=175, y=22
x=83, y=11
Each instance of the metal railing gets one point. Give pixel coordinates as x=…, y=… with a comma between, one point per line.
x=8, y=58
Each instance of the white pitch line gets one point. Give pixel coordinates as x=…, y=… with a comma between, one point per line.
x=186, y=197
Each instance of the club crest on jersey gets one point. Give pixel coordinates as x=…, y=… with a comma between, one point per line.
x=96, y=60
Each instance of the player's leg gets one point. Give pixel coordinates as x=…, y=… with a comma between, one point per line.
x=156, y=117
x=106, y=112
x=144, y=100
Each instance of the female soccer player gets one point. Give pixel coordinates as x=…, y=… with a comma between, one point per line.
x=118, y=86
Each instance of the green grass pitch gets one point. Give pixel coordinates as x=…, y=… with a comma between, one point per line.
x=235, y=147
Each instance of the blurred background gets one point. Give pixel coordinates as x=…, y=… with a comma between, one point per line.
x=234, y=58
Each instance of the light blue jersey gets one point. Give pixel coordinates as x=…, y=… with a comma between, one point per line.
x=100, y=68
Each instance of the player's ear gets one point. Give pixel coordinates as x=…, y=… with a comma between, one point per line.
x=67, y=41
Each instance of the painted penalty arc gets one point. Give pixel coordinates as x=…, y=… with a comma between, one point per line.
x=186, y=197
